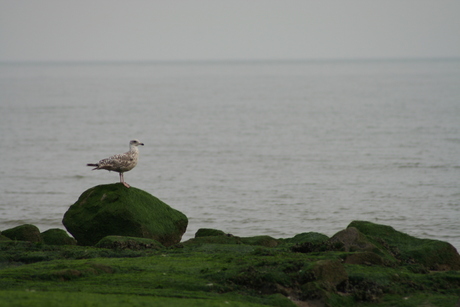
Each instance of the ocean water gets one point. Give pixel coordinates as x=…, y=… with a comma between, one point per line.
x=251, y=148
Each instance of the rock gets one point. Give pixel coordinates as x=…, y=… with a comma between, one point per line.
x=214, y=240
x=322, y=277
x=308, y=242
x=329, y=273
x=3, y=238
x=24, y=232
x=366, y=258
x=113, y=209
x=307, y=237
x=313, y=294
x=352, y=240
x=208, y=232
x=120, y=242
x=433, y=254
x=266, y=241
x=56, y=236
x=208, y=235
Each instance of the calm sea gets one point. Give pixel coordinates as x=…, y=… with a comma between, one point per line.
x=251, y=148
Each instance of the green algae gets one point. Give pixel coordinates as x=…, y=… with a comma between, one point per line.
x=56, y=236
x=266, y=241
x=170, y=274
x=112, y=209
x=24, y=232
x=307, y=237
x=208, y=232
x=213, y=240
x=216, y=271
x=417, y=300
x=130, y=243
x=377, y=283
x=52, y=299
x=430, y=253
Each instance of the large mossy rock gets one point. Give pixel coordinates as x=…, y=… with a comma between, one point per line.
x=433, y=254
x=113, y=209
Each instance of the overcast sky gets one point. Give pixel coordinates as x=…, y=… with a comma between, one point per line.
x=135, y=30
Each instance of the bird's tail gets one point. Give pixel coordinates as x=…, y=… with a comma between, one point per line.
x=91, y=164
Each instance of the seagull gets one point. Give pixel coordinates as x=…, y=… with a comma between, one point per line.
x=122, y=162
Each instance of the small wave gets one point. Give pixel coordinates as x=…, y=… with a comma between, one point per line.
x=440, y=166
x=391, y=218
x=408, y=165
x=420, y=165
x=4, y=224
x=285, y=196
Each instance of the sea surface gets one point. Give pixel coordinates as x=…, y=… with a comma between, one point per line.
x=251, y=148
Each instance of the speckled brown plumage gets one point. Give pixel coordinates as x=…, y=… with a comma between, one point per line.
x=122, y=162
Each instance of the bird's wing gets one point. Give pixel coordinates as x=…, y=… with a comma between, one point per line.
x=120, y=162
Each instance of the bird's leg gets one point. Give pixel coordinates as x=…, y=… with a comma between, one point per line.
x=122, y=180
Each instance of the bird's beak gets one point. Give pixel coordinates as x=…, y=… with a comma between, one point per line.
x=141, y=144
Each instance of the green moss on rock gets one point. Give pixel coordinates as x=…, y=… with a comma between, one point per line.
x=266, y=241
x=3, y=238
x=214, y=240
x=24, y=232
x=307, y=237
x=366, y=258
x=120, y=242
x=328, y=273
x=113, y=209
x=216, y=275
x=351, y=240
x=433, y=254
x=56, y=236
x=208, y=232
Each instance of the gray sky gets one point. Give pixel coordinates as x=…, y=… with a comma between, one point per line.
x=136, y=30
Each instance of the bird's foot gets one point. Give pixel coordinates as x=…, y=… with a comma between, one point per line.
x=126, y=185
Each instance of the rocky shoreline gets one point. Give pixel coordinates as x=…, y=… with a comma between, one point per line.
x=364, y=264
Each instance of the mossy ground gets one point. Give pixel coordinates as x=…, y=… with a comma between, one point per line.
x=209, y=274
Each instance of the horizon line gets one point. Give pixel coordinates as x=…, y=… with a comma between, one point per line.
x=199, y=61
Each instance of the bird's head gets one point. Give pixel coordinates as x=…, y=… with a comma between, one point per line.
x=135, y=143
